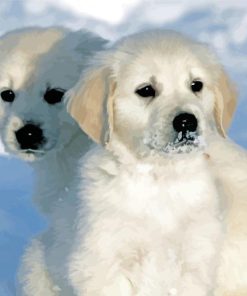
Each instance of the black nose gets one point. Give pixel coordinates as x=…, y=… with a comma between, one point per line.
x=185, y=122
x=30, y=136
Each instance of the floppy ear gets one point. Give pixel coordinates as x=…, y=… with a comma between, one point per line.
x=225, y=103
x=91, y=104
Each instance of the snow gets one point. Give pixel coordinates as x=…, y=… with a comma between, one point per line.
x=222, y=24
x=2, y=151
x=18, y=218
x=185, y=144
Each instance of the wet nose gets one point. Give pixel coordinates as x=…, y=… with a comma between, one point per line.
x=30, y=136
x=185, y=122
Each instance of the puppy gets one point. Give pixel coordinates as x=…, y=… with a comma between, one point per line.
x=150, y=221
x=37, y=67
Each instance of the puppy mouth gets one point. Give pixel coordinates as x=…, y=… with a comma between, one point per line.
x=39, y=151
x=185, y=142
x=34, y=151
x=182, y=143
x=186, y=138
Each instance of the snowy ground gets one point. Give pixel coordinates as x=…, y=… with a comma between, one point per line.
x=222, y=25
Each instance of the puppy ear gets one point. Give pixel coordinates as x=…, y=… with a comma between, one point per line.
x=225, y=103
x=91, y=104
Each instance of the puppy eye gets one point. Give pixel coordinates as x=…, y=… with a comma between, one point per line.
x=196, y=86
x=54, y=95
x=8, y=95
x=146, y=92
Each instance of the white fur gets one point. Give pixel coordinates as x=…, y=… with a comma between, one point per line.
x=30, y=61
x=230, y=164
x=152, y=227
x=149, y=221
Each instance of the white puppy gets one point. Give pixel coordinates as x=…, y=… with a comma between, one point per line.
x=37, y=66
x=150, y=222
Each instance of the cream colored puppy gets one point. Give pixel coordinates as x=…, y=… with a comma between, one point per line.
x=150, y=221
x=37, y=67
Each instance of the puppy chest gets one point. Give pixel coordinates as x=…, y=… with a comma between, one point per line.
x=166, y=195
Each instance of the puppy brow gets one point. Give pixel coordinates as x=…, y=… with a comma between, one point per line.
x=157, y=85
x=10, y=82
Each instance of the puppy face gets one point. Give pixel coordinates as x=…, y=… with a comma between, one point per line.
x=158, y=90
x=34, y=120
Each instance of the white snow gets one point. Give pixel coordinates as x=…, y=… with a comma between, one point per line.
x=2, y=151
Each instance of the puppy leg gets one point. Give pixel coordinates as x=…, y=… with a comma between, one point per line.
x=199, y=257
x=159, y=271
x=232, y=272
x=131, y=262
x=92, y=276
x=33, y=276
x=120, y=256
x=230, y=164
x=105, y=263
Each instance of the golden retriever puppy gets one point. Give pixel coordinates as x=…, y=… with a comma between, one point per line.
x=150, y=221
x=37, y=67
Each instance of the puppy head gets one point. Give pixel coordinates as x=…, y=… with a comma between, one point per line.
x=37, y=67
x=143, y=83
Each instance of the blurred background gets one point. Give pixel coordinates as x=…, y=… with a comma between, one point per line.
x=221, y=24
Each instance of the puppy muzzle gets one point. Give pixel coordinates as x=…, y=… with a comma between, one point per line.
x=30, y=137
x=186, y=132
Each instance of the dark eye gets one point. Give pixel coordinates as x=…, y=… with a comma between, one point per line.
x=146, y=91
x=54, y=95
x=196, y=86
x=8, y=95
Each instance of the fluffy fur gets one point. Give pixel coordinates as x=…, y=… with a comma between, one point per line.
x=150, y=219
x=230, y=164
x=33, y=61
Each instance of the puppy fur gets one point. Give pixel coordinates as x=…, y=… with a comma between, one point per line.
x=149, y=220
x=230, y=163
x=32, y=61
